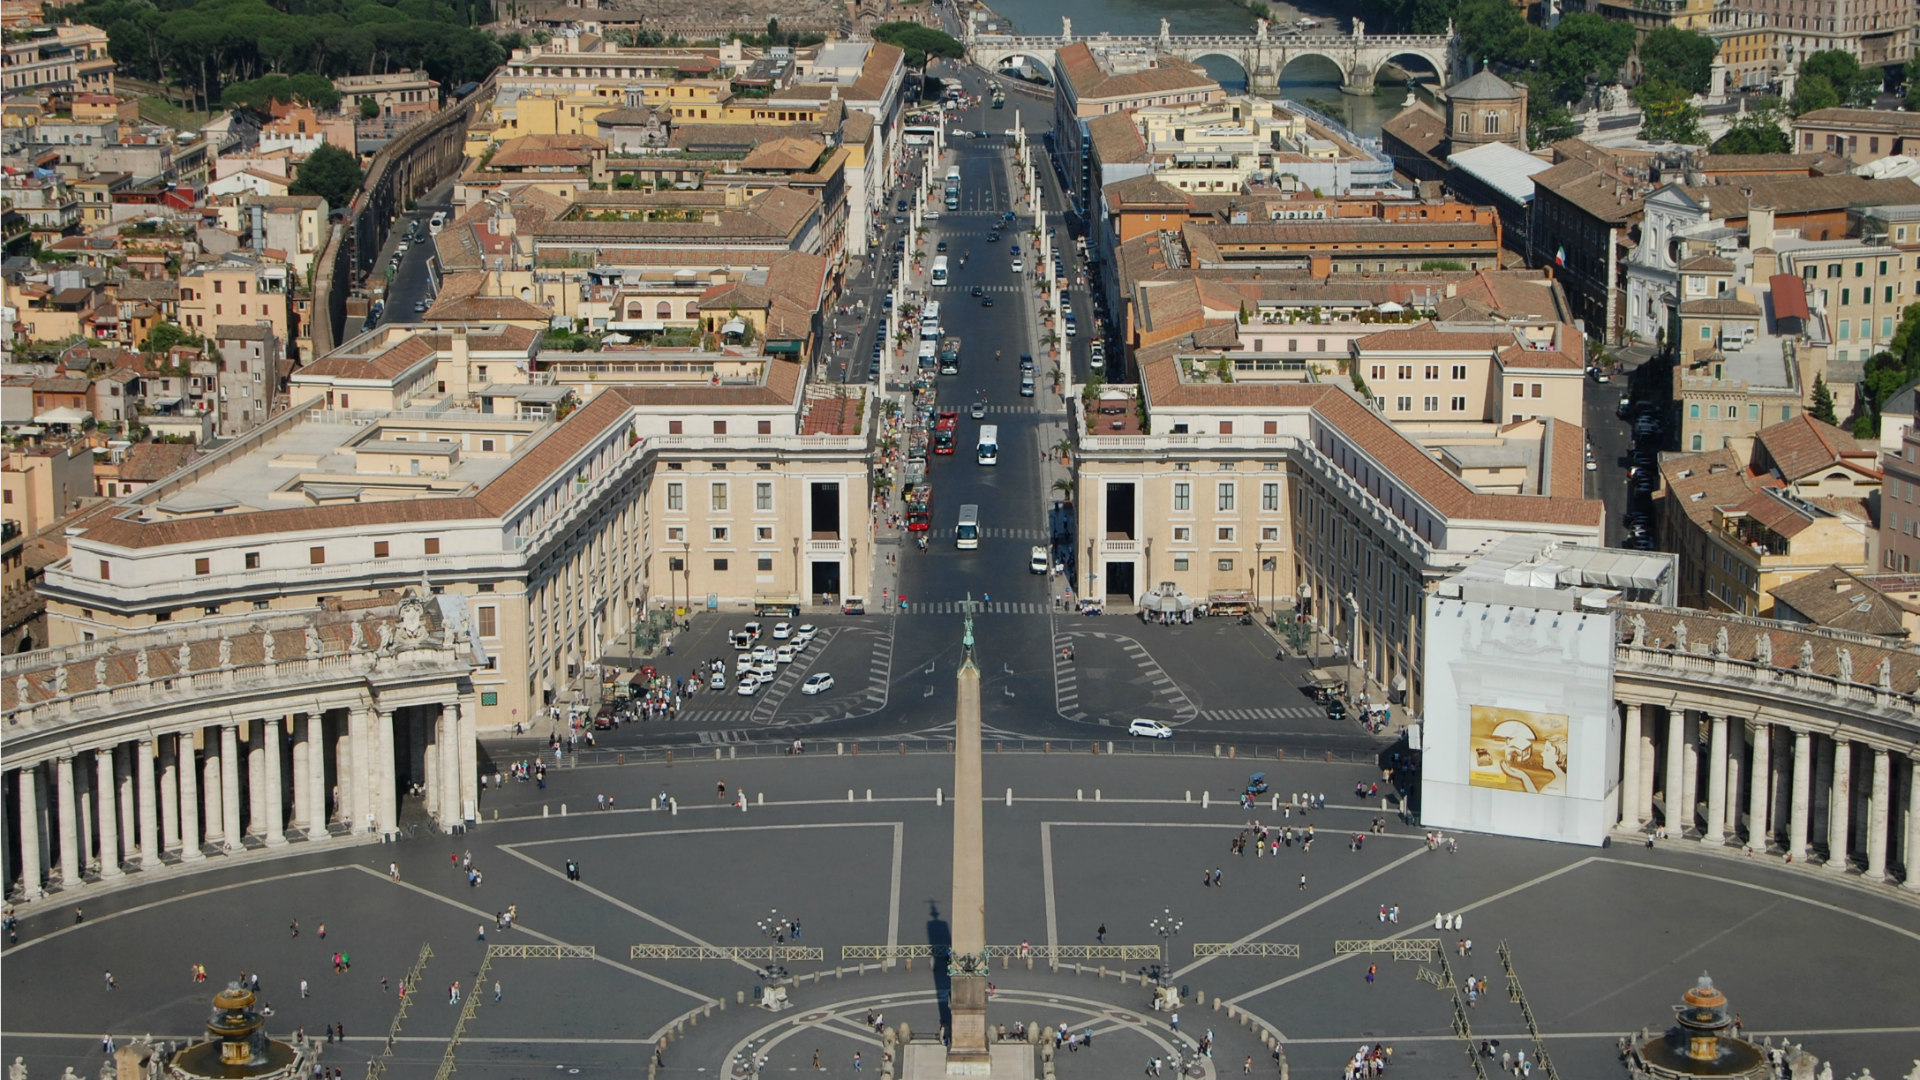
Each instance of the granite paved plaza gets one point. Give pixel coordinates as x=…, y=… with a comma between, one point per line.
x=1603, y=940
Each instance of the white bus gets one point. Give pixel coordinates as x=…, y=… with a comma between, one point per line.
x=988, y=452
x=968, y=534
x=939, y=269
x=953, y=176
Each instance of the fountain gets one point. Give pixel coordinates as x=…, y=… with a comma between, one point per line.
x=1700, y=1044
x=237, y=1046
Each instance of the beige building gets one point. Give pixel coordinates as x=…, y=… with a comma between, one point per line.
x=719, y=477
x=41, y=485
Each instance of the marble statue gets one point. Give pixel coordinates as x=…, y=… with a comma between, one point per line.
x=1359, y=30
x=1066, y=28
x=60, y=681
x=1166, y=29
x=68, y=1075
x=22, y=690
x=17, y=1070
x=313, y=643
x=1260, y=30
x=1846, y=665
x=1806, y=656
x=140, y=670
x=266, y=647
x=1720, y=643
x=1680, y=637
x=1763, y=648
x=185, y=658
x=413, y=619
x=1886, y=673
x=1826, y=1070
x=386, y=635
x=1639, y=623
x=100, y=673
x=226, y=652
x=358, y=639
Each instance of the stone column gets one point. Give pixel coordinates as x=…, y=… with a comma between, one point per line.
x=1689, y=769
x=129, y=823
x=211, y=767
x=1630, y=768
x=169, y=792
x=1802, y=796
x=1878, y=815
x=447, y=737
x=276, y=828
x=1644, y=762
x=349, y=778
x=1678, y=815
x=230, y=785
x=73, y=862
x=1736, y=764
x=190, y=835
x=29, y=831
x=317, y=777
x=1758, y=823
x=386, y=798
x=1840, y=806
x=968, y=910
x=297, y=779
x=1715, y=832
x=107, y=815
x=149, y=798
x=83, y=802
x=1913, y=824
x=365, y=782
x=256, y=777
x=466, y=722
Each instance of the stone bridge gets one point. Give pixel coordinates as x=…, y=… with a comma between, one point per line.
x=1262, y=55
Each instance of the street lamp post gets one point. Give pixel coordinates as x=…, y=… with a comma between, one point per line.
x=1353, y=645
x=777, y=930
x=1168, y=928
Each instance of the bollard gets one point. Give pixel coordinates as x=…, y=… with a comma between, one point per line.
x=1189, y=794
x=996, y=747
x=1283, y=753
x=1233, y=752
x=716, y=753
x=1109, y=746
x=620, y=759
x=1216, y=749
x=1103, y=973
x=1029, y=962
x=1206, y=799
x=496, y=815
x=1009, y=796
x=673, y=806
x=545, y=810
x=1096, y=749
x=1080, y=794
x=903, y=749
x=909, y=963
x=869, y=794
x=939, y=796
x=669, y=757
x=563, y=809
x=839, y=749
x=759, y=798
x=723, y=1004
x=1096, y=794
x=740, y=996
x=1329, y=757
x=856, y=750
x=849, y=794
x=1046, y=748
x=839, y=972
x=730, y=750
x=693, y=1020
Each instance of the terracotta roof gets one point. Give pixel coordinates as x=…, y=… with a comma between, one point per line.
x=1351, y=231
x=1145, y=191
x=1484, y=85
x=1724, y=306
x=1698, y=484
x=1424, y=338
x=1091, y=81
x=1419, y=127
x=148, y=462
x=1711, y=264
x=1903, y=123
x=1591, y=189
x=1730, y=202
x=1775, y=514
x=1808, y=164
x=785, y=153
x=1116, y=139
x=1836, y=598
x=1802, y=446
x=485, y=309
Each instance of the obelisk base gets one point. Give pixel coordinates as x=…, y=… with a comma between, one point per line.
x=928, y=1060
x=967, y=1043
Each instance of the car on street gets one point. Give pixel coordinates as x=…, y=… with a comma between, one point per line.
x=986, y=301
x=782, y=631
x=1014, y=249
x=993, y=237
x=419, y=305
x=979, y=410
x=763, y=652
x=803, y=634
x=1037, y=560
x=976, y=291
x=718, y=681
x=1018, y=266
x=785, y=653
x=1026, y=361
x=941, y=247
x=817, y=683
x=1150, y=729
x=752, y=629
x=749, y=683
x=900, y=205
x=1336, y=709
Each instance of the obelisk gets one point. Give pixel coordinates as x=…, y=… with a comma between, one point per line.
x=967, y=964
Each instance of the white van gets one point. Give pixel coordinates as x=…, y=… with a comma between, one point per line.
x=1037, y=560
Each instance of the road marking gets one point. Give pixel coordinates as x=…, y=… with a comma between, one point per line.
x=1046, y=869
x=150, y=905
x=893, y=902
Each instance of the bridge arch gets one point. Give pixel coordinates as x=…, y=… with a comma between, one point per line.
x=1222, y=58
x=1038, y=62
x=1310, y=64
x=1437, y=64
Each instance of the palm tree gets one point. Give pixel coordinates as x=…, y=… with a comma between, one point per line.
x=1064, y=446
x=1065, y=487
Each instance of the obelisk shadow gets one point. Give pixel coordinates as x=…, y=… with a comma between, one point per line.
x=940, y=939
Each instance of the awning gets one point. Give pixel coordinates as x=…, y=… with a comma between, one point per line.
x=654, y=325
x=164, y=403
x=783, y=347
x=63, y=415
x=1389, y=307
x=1163, y=599
x=734, y=326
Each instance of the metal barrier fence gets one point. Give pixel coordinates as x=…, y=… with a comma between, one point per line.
x=409, y=983
x=1401, y=948
x=1205, y=950
x=1021, y=952
x=1519, y=997
x=542, y=952
x=765, y=953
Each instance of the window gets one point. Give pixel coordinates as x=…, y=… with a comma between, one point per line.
x=1271, y=427
x=1693, y=412
x=253, y=560
x=1696, y=442
x=1270, y=497
x=1269, y=535
x=1183, y=496
x=1226, y=427
x=1458, y=404
x=1536, y=389
x=380, y=549
x=763, y=533
x=676, y=496
x=1379, y=372
x=489, y=618
x=763, y=496
x=719, y=498
x=1224, y=534
x=676, y=427
x=1459, y=372
x=1225, y=565
x=1432, y=372
x=106, y=570
x=1713, y=412
x=719, y=564
x=489, y=697
x=1493, y=123
x=1405, y=371
x=1753, y=412
x=433, y=545
x=1429, y=404
x=676, y=534
x=203, y=566
x=719, y=534
x=764, y=564
x=1519, y=389
x=1403, y=404
x=1180, y=563
x=675, y=564
x=316, y=555
x=719, y=427
x=1225, y=500
x=1182, y=534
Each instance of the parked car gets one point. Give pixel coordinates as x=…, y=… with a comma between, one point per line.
x=1150, y=729
x=817, y=683
x=749, y=683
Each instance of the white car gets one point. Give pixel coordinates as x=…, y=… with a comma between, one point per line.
x=1152, y=729
x=804, y=634
x=1037, y=560
x=766, y=669
x=743, y=663
x=817, y=683
x=782, y=631
x=718, y=681
x=752, y=630
x=748, y=684
x=763, y=652
x=785, y=654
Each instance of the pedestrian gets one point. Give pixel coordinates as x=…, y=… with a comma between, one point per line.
x=1100, y=935
x=1248, y=1067
x=383, y=984
x=303, y=988
x=111, y=985
x=1372, y=970
x=496, y=989
x=1174, y=1021
x=1216, y=878
x=1303, y=883
x=323, y=931
x=856, y=1061
x=480, y=931
x=329, y=1032
x=816, y=1061
x=106, y=1043
x=294, y=926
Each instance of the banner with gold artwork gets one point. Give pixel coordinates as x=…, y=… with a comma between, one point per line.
x=1518, y=750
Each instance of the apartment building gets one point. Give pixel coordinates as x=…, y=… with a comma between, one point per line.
x=405, y=93
x=1747, y=518
x=1863, y=135
x=1093, y=80
x=65, y=60
x=1878, y=33
x=715, y=477
x=1900, y=504
x=237, y=289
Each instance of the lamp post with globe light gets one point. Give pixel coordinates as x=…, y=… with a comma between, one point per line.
x=1165, y=998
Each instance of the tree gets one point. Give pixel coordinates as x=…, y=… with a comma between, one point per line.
x=1813, y=92
x=1584, y=48
x=1548, y=123
x=1494, y=31
x=166, y=335
x=331, y=173
x=1851, y=83
x=1756, y=132
x=1823, y=401
x=1407, y=16
x=919, y=42
x=1681, y=57
x=369, y=109
x=1669, y=113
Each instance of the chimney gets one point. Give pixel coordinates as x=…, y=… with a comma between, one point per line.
x=1759, y=227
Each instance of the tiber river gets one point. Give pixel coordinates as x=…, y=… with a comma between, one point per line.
x=1311, y=81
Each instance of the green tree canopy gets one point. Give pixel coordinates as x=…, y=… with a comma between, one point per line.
x=1822, y=401
x=166, y=335
x=1584, y=47
x=258, y=95
x=329, y=172
x=1851, y=83
x=1494, y=30
x=1409, y=16
x=920, y=42
x=1669, y=112
x=1757, y=132
x=1681, y=57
